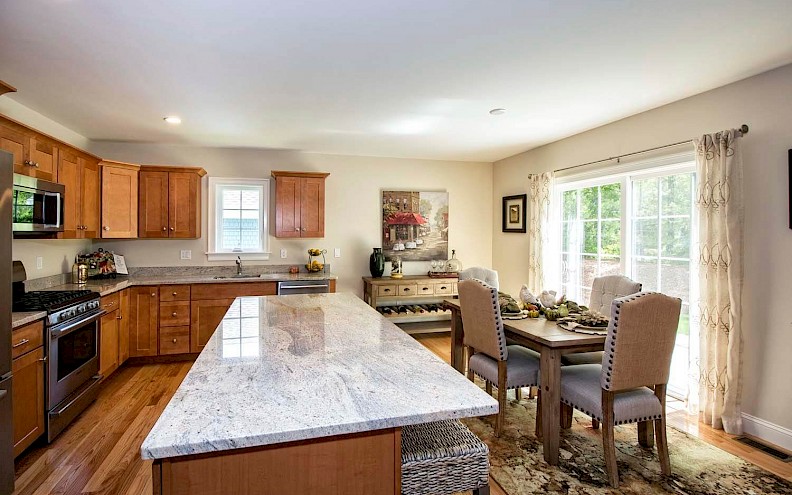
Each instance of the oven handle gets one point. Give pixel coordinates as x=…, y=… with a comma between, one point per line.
x=56, y=333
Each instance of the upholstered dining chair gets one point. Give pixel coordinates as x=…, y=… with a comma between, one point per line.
x=629, y=386
x=603, y=291
x=489, y=277
x=506, y=366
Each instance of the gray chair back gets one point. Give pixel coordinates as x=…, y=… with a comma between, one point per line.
x=482, y=319
x=640, y=341
x=489, y=277
x=605, y=289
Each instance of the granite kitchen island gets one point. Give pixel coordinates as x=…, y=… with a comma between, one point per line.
x=302, y=394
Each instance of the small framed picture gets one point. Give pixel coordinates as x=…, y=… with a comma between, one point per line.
x=514, y=213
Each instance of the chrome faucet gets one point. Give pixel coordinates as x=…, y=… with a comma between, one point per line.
x=239, y=265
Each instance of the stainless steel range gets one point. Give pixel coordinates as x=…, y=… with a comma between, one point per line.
x=72, y=351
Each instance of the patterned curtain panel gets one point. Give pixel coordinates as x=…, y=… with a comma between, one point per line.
x=720, y=213
x=540, y=190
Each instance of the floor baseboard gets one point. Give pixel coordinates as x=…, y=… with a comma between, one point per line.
x=767, y=431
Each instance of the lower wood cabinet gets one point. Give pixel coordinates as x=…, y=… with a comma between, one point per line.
x=143, y=321
x=108, y=342
x=205, y=316
x=28, y=398
x=123, y=328
x=174, y=340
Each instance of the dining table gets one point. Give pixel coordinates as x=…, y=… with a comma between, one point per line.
x=551, y=342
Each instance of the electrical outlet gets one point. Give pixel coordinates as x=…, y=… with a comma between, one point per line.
x=39, y=263
x=337, y=252
x=186, y=254
x=283, y=254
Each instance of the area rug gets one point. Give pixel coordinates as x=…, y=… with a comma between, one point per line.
x=698, y=468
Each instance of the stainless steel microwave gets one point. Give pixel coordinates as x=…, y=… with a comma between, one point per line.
x=37, y=206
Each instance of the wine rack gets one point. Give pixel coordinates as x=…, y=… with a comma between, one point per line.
x=414, y=298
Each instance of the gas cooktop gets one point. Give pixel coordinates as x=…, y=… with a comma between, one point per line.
x=51, y=301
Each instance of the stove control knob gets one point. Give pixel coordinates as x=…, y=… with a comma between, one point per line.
x=82, y=309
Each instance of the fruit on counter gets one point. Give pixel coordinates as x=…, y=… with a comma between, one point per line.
x=533, y=313
x=552, y=314
x=532, y=307
x=315, y=252
x=563, y=311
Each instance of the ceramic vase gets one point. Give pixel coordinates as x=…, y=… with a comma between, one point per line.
x=377, y=263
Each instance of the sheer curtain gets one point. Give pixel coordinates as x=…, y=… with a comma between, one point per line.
x=720, y=214
x=540, y=190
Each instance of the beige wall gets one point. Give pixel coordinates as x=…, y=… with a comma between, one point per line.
x=764, y=102
x=352, y=203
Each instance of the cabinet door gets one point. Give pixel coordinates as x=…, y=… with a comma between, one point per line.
x=90, y=199
x=44, y=157
x=143, y=321
x=16, y=143
x=287, y=207
x=28, y=399
x=184, y=205
x=153, y=205
x=312, y=192
x=70, y=175
x=119, y=202
x=205, y=316
x=108, y=342
x=123, y=327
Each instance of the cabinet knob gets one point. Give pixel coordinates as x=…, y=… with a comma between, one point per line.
x=174, y=293
x=118, y=317
x=296, y=229
x=164, y=229
x=173, y=314
x=153, y=294
x=106, y=227
x=172, y=229
x=303, y=229
x=174, y=341
x=36, y=165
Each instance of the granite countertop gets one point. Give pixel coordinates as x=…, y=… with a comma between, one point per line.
x=287, y=368
x=106, y=287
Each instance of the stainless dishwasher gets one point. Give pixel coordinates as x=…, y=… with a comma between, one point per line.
x=303, y=287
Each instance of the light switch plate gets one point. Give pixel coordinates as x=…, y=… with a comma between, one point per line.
x=186, y=254
x=337, y=252
x=39, y=263
x=283, y=253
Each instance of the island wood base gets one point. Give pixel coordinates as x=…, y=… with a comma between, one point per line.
x=367, y=463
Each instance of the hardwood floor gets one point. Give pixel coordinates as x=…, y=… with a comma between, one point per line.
x=100, y=452
x=440, y=344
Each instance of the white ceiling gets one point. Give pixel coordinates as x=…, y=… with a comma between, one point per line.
x=401, y=78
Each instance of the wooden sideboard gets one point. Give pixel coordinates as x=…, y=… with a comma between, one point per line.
x=412, y=291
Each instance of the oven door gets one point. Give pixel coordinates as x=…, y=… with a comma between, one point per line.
x=73, y=356
x=37, y=205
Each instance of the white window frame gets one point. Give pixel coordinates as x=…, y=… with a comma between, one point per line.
x=213, y=253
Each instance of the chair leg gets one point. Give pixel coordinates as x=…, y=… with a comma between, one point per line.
x=645, y=434
x=660, y=433
x=482, y=490
x=566, y=416
x=518, y=394
x=533, y=392
x=595, y=423
x=471, y=376
x=538, y=428
x=501, y=397
x=488, y=387
x=608, y=441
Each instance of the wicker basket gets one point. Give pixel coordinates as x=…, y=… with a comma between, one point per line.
x=442, y=458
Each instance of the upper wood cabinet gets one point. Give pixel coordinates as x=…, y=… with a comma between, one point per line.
x=170, y=202
x=34, y=155
x=119, y=200
x=299, y=204
x=80, y=176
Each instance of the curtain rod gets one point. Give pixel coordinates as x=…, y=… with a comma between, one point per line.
x=743, y=130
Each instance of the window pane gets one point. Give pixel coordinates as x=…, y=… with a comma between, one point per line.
x=590, y=237
x=611, y=237
x=676, y=190
x=610, y=266
x=645, y=197
x=590, y=270
x=676, y=237
x=645, y=237
x=589, y=203
x=231, y=199
x=610, y=196
x=570, y=205
x=567, y=234
x=250, y=199
x=645, y=272
x=231, y=239
x=675, y=278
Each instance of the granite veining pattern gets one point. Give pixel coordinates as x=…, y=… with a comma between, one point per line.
x=288, y=368
x=19, y=319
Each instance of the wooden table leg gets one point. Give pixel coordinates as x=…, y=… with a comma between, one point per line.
x=550, y=377
x=457, y=341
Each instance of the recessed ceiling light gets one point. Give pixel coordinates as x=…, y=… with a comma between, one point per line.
x=497, y=111
x=172, y=119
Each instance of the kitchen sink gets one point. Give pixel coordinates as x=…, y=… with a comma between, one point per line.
x=223, y=277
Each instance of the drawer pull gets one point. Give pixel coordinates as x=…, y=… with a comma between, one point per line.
x=406, y=289
x=173, y=294
x=21, y=343
x=174, y=341
x=386, y=290
x=118, y=317
x=425, y=288
x=153, y=294
x=173, y=314
x=444, y=287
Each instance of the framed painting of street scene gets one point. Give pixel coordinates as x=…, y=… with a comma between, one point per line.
x=415, y=225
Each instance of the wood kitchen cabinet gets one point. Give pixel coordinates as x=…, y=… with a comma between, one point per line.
x=143, y=321
x=205, y=316
x=170, y=202
x=79, y=174
x=108, y=342
x=299, y=204
x=123, y=328
x=34, y=155
x=119, y=200
x=27, y=399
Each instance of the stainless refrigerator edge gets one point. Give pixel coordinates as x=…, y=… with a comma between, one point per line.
x=6, y=428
